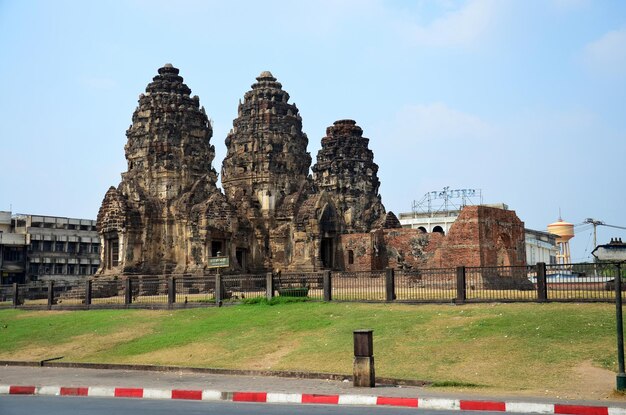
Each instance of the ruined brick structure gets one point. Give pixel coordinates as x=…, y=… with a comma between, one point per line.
x=168, y=215
x=481, y=236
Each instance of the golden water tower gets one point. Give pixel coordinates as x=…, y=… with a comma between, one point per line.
x=564, y=232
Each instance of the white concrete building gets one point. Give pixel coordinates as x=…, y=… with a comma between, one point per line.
x=540, y=247
x=12, y=251
x=52, y=248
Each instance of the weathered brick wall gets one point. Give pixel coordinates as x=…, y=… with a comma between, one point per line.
x=409, y=248
x=362, y=251
x=482, y=236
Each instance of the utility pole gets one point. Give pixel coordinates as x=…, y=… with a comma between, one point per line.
x=597, y=223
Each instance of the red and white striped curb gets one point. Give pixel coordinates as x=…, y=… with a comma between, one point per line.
x=303, y=398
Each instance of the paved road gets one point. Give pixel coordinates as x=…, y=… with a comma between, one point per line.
x=44, y=405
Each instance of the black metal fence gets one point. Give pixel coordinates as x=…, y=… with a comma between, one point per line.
x=538, y=283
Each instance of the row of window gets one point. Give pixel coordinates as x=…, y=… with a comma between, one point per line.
x=11, y=254
x=48, y=225
x=70, y=247
x=62, y=269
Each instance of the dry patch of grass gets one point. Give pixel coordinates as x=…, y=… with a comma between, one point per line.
x=76, y=348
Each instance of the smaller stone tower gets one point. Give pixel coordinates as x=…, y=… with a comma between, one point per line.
x=345, y=169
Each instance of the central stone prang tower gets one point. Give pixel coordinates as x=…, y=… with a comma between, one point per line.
x=267, y=156
x=266, y=169
x=167, y=214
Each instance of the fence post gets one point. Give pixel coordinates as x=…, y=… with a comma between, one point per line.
x=390, y=284
x=327, y=283
x=218, y=289
x=171, y=291
x=16, y=295
x=269, y=286
x=88, y=289
x=50, y=294
x=542, y=284
x=128, y=291
x=461, y=290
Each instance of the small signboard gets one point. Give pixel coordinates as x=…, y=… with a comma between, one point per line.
x=615, y=251
x=219, y=262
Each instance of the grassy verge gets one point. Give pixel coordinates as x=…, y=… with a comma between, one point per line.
x=514, y=347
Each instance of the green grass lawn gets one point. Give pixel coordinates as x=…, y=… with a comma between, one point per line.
x=497, y=347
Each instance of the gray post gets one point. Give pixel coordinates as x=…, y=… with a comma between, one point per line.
x=327, y=282
x=542, y=284
x=218, y=289
x=50, y=294
x=88, y=290
x=171, y=291
x=461, y=290
x=128, y=291
x=390, y=284
x=16, y=295
x=363, y=373
x=269, y=285
x=621, y=376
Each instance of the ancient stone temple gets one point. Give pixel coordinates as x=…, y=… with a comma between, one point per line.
x=167, y=215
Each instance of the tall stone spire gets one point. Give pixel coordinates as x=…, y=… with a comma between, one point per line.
x=267, y=156
x=168, y=145
x=346, y=170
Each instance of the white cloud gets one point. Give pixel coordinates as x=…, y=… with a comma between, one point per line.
x=461, y=27
x=607, y=55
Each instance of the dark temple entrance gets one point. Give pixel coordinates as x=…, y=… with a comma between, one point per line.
x=327, y=252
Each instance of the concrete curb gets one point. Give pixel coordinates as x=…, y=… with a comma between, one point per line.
x=303, y=398
x=235, y=372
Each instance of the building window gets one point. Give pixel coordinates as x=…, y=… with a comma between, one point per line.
x=94, y=269
x=47, y=246
x=71, y=247
x=85, y=248
x=34, y=246
x=350, y=257
x=58, y=269
x=95, y=248
x=33, y=269
x=59, y=247
x=71, y=269
x=83, y=270
x=13, y=254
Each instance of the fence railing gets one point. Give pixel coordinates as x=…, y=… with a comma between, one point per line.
x=538, y=283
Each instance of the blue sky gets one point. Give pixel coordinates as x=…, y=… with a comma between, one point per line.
x=522, y=99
